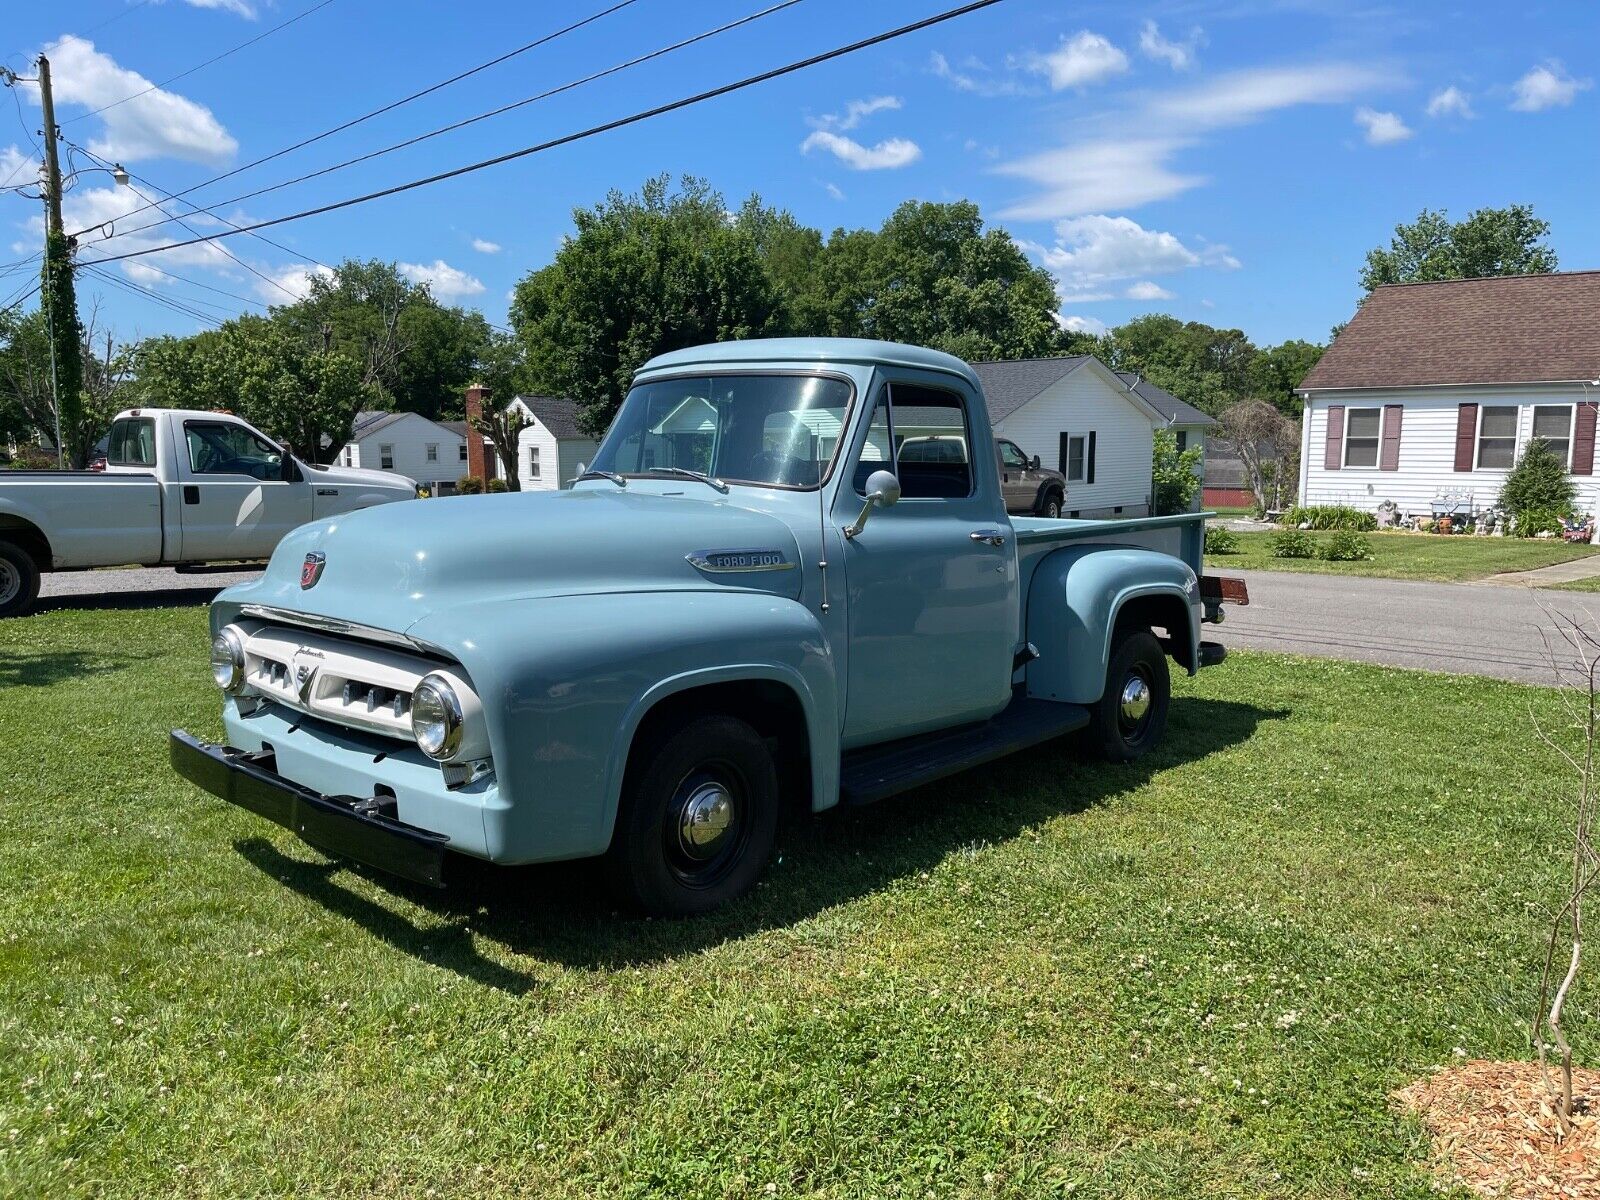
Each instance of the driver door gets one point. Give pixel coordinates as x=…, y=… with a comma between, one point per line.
x=234, y=501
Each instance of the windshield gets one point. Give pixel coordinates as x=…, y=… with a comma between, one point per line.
x=780, y=430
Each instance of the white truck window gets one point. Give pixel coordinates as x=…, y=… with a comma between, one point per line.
x=132, y=443
x=223, y=448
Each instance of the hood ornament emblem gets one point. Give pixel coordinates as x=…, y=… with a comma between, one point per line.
x=311, y=569
x=739, y=561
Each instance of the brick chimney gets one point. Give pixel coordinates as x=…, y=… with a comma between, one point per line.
x=477, y=452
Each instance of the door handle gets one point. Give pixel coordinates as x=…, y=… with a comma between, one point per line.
x=994, y=537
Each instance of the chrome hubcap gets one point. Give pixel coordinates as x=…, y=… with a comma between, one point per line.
x=1135, y=704
x=10, y=582
x=705, y=821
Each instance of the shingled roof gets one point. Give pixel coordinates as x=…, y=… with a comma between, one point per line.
x=1008, y=384
x=558, y=415
x=1509, y=329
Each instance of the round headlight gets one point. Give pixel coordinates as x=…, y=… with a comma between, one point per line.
x=227, y=659
x=436, y=718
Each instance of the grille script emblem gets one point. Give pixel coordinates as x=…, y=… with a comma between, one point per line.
x=311, y=569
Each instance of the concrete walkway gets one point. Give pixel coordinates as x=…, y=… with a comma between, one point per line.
x=1567, y=572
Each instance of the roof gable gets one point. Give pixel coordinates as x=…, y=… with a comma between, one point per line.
x=558, y=415
x=1011, y=383
x=1507, y=329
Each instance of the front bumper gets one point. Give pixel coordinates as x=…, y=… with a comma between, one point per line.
x=344, y=826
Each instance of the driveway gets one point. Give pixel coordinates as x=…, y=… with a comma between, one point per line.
x=135, y=587
x=1465, y=628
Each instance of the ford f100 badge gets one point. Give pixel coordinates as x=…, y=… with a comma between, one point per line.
x=311, y=569
x=740, y=560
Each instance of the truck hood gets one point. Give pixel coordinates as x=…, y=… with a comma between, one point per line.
x=390, y=566
x=359, y=477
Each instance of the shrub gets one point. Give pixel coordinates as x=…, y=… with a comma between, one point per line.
x=1347, y=546
x=497, y=485
x=1331, y=516
x=469, y=485
x=1291, y=543
x=1534, y=521
x=1539, y=482
x=1174, y=474
x=1221, y=541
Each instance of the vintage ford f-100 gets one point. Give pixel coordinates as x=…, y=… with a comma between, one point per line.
x=750, y=600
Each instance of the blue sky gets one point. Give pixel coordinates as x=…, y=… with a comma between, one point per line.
x=1228, y=162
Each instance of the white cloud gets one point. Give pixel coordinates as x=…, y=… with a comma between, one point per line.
x=859, y=110
x=157, y=124
x=1547, y=86
x=973, y=76
x=1080, y=60
x=833, y=190
x=1450, y=102
x=1146, y=290
x=484, y=246
x=443, y=280
x=241, y=8
x=886, y=155
x=295, y=279
x=1077, y=324
x=17, y=167
x=1382, y=128
x=1177, y=55
x=1129, y=165
x=1096, y=251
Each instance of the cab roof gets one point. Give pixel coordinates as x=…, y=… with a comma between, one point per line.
x=813, y=351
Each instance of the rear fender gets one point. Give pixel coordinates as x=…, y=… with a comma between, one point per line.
x=1078, y=595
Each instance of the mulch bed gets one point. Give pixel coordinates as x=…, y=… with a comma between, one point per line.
x=1495, y=1130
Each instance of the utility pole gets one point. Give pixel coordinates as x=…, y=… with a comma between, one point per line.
x=58, y=294
x=52, y=163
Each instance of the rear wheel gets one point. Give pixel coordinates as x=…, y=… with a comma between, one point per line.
x=698, y=819
x=19, y=580
x=1131, y=715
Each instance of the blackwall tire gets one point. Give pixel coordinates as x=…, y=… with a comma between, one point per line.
x=1130, y=718
x=19, y=580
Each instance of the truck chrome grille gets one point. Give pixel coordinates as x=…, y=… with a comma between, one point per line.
x=346, y=682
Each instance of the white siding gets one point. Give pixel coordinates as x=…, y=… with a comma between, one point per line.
x=410, y=438
x=558, y=461
x=1084, y=402
x=1427, y=447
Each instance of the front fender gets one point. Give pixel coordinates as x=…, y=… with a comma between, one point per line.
x=1073, y=603
x=566, y=680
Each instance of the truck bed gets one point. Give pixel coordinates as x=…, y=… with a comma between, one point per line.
x=1181, y=535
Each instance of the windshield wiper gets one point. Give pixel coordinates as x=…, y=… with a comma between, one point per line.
x=597, y=473
x=710, y=481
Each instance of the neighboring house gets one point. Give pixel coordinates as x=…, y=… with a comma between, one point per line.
x=1433, y=390
x=426, y=451
x=550, y=447
x=1091, y=423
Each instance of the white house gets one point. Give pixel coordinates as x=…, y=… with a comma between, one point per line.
x=551, y=447
x=1433, y=390
x=1092, y=424
x=427, y=451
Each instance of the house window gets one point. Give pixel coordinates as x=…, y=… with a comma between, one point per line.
x=1497, y=437
x=533, y=462
x=433, y=452
x=1183, y=440
x=386, y=457
x=463, y=449
x=1075, y=457
x=1552, y=424
x=1361, y=437
x=349, y=456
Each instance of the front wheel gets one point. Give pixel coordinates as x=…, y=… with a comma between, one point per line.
x=19, y=580
x=1051, y=507
x=1131, y=715
x=698, y=819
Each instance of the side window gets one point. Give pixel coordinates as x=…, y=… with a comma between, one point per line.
x=1075, y=457
x=1012, y=457
x=931, y=444
x=386, y=457
x=132, y=443
x=433, y=452
x=223, y=448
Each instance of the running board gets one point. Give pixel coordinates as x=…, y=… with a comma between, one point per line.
x=876, y=772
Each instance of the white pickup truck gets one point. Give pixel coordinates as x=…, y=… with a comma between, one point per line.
x=180, y=487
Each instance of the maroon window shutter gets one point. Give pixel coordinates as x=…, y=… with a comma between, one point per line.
x=1583, y=439
x=1389, y=460
x=1466, y=434
x=1333, y=448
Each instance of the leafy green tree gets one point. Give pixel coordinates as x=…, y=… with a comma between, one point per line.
x=295, y=395
x=643, y=274
x=1491, y=241
x=1538, y=483
x=1174, y=474
x=1207, y=367
x=26, y=404
x=1276, y=372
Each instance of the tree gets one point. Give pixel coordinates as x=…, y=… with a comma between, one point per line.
x=503, y=427
x=1174, y=474
x=297, y=396
x=1276, y=372
x=1207, y=367
x=60, y=305
x=1268, y=445
x=1491, y=241
x=643, y=274
x=26, y=405
x=1539, y=483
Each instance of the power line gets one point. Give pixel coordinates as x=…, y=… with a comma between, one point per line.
x=154, y=87
x=89, y=262
x=495, y=112
x=404, y=100
x=592, y=131
x=22, y=299
x=109, y=20
x=165, y=301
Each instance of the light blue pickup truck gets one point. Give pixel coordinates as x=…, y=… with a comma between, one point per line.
x=750, y=601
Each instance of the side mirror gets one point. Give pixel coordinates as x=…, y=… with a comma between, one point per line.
x=582, y=469
x=1034, y=465
x=883, y=489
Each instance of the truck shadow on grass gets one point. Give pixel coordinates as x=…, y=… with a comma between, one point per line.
x=30, y=669
x=561, y=914
x=178, y=597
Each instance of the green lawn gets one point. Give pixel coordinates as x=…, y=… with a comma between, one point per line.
x=1409, y=556
x=1200, y=976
